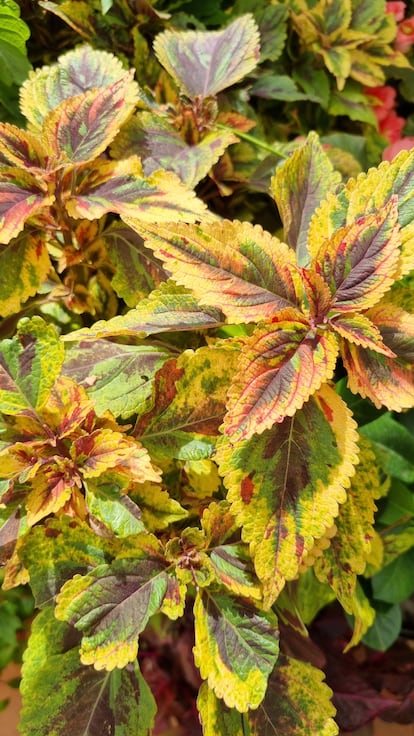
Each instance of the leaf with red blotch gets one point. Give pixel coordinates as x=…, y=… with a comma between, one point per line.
x=297, y=702
x=360, y=260
x=203, y=63
x=358, y=329
x=24, y=267
x=286, y=483
x=20, y=148
x=121, y=187
x=281, y=365
x=22, y=195
x=239, y=266
x=298, y=187
x=102, y=449
x=81, y=127
x=386, y=381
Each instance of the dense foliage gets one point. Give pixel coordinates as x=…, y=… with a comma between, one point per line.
x=206, y=365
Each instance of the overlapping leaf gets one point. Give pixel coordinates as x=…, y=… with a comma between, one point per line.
x=111, y=606
x=285, y=487
x=219, y=720
x=281, y=365
x=297, y=702
x=29, y=365
x=91, y=702
x=234, y=569
x=202, y=63
x=236, y=647
x=120, y=186
x=22, y=195
x=298, y=188
x=21, y=148
x=24, y=266
x=250, y=273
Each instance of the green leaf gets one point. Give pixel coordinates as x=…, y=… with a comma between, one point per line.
x=203, y=63
x=219, y=720
x=285, y=485
x=14, y=33
x=24, y=266
x=393, y=445
x=279, y=87
x=386, y=628
x=116, y=377
x=236, y=647
x=298, y=186
x=395, y=583
x=297, y=702
x=168, y=309
x=29, y=365
x=90, y=702
x=111, y=606
x=116, y=512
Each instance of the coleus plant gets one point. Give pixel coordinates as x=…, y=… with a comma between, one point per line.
x=186, y=470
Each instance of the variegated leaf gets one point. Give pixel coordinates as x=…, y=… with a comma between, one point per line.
x=76, y=72
x=92, y=702
x=202, y=63
x=297, y=702
x=161, y=146
x=157, y=508
x=219, y=720
x=239, y=266
x=281, y=365
x=168, y=309
x=29, y=365
x=236, y=647
x=82, y=127
x=121, y=187
x=24, y=266
x=234, y=569
x=387, y=381
x=111, y=606
x=22, y=195
x=285, y=485
x=20, y=148
x=298, y=187
x=359, y=261
x=358, y=329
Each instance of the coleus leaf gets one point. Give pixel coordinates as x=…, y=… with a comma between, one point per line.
x=82, y=127
x=281, y=365
x=117, y=512
x=236, y=647
x=219, y=720
x=366, y=196
x=298, y=187
x=359, y=261
x=203, y=63
x=29, y=365
x=234, y=569
x=387, y=381
x=285, y=485
x=76, y=72
x=121, y=187
x=24, y=266
x=92, y=703
x=111, y=606
x=13, y=36
x=116, y=377
x=250, y=273
x=158, y=509
x=22, y=195
x=297, y=702
x=169, y=308
x=18, y=147
x=161, y=146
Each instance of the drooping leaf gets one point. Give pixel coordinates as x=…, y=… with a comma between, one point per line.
x=116, y=377
x=169, y=308
x=281, y=365
x=29, y=365
x=359, y=261
x=121, y=187
x=298, y=186
x=236, y=647
x=91, y=702
x=239, y=266
x=202, y=63
x=161, y=146
x=286, y=483
x=297, y=702
x=76, y=72
x=24, y=266
x=219, y=720
x=111, y=606
x=22, y=195
x=81, y=127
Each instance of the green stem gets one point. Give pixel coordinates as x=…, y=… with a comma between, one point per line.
x=252, y=139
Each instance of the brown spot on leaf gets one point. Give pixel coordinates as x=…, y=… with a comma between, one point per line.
x=247, y=489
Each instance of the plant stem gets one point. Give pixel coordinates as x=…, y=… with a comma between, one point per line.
x=252, y=139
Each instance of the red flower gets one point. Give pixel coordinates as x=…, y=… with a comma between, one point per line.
x=405, y=35
x=397, y=8
x=391, y=126
x=403, y=144
x=386, y=97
